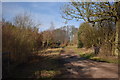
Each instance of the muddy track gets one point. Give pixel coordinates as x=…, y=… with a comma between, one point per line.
x=78, y=67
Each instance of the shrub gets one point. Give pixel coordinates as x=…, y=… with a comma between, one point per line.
x=19, y=42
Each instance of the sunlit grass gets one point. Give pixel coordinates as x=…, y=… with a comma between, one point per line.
x=89, y=54
x=79, y=50
x=46, y=73
x=54, y=49
x=50, y=52
x=105, y=59
x=49, y=74
x=50, y=65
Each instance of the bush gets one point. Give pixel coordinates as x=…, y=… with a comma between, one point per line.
x=19, y=42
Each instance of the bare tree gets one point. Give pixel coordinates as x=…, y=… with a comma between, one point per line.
x=24, y=20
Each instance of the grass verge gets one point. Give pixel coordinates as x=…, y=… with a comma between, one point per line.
x=91, y=56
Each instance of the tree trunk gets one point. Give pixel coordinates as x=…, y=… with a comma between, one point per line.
x=117, y=37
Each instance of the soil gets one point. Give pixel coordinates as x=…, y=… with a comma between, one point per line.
x=78, y=67
x=67, y=64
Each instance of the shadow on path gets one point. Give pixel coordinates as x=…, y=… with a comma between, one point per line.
x=65, y=65
x=78, y=67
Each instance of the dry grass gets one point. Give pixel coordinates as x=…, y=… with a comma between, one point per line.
x=49, y=73
x=80, y=50
x=50, y=52
x=88, y=53
x=39, y=66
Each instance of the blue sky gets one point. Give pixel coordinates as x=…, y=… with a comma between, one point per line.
x=41, y=12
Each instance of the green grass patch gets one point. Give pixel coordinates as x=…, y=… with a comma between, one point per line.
x=105, y=60
x=91, y=56
x=86, y=55
x=98, y=59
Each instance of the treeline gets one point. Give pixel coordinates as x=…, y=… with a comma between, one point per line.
x=101, y=27
x=100, y=36
x=22, y=38
x=60, y=37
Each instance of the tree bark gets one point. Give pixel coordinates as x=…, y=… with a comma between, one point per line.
x=117, y=37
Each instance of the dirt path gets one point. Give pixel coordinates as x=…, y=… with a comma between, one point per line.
x=77, y=67
x=58, y=63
